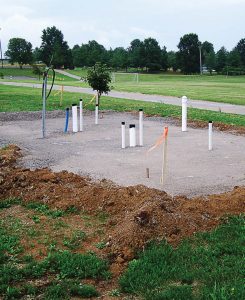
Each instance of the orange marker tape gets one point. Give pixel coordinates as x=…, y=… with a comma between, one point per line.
x=160, y=140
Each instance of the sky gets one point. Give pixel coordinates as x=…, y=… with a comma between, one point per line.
x=115, y=23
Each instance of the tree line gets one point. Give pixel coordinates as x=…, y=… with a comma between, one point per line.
x=144, y=55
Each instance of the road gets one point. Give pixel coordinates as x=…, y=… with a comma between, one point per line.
x=200, y=104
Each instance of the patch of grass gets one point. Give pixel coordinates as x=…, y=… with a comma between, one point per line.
x=101, y=245
x=44, y=209
x=73, y=242
x=9, y=202
x=28, y=99
x=207, y=266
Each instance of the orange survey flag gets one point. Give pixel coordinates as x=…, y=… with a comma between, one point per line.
x=160, y=140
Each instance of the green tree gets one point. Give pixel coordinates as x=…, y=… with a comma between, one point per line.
x=54, y=49
x=20, y=51
x=188, y=54
x=210, y=61
x=119, y=58
x=241, y=50
x=136, y=54
x=172, y=61
x=164, y=58
x=221, y=59
x=207, y=51
x=234, y=59
x=99, y=78
x=152, y=54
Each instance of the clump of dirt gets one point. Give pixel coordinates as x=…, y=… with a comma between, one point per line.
x=137, y=214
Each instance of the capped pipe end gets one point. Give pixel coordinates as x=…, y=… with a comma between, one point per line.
x=67, y=108
x=123, y=123
x=210, y=122
x=141, y=109
x=81, y=99
x=132, y=126
x=74, y=104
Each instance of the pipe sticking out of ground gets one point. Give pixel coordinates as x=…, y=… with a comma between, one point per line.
x=132, y=135
x=123, y=135
x=81, y=114
x=141, y=127
x=210, y=135
x=184, y=113
x=67, y=120
x=96, y=114
x=74, y=118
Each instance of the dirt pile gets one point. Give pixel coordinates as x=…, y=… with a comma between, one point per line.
x=137, y=214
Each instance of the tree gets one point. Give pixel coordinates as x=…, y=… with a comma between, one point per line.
x=20, y=51
x=54, y=50
x=210, y=61
x=119, y=58
x=234, y=59
x=188, y=54
x=99, y=79
x=136, y=54
x=241, y=50
x=152, y=54
x=207, y=51
x=172, y=61
x=164, y=58
x=221, y=59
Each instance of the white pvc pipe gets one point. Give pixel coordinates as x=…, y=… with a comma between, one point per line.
x=74, y=118
x=210, y=135
x=132, y=135
x=123, y=135
x=184, y=113
x=96, y=114
x=141, y=127
x=81, y=114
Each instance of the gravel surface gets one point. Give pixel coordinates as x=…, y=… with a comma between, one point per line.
x=191, y=169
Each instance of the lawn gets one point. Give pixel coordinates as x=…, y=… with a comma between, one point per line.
x=29, y=99
x=216, y=88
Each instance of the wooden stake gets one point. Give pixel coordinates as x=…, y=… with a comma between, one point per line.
x=147, y=173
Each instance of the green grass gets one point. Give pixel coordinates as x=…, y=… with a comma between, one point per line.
x=28, y=99
x=28, y=72
x=64, y=268
x=206, y=266
x=216, y=88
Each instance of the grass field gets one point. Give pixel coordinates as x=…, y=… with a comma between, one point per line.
x=211, y=88
x=29, y=99
x=41, y=255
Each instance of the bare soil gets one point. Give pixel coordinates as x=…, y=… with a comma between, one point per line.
x=137, y=214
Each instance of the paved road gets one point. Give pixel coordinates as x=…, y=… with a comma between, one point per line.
x=214, y=106
x=68, y=74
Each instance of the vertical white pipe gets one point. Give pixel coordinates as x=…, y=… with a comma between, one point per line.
x=184, y=113
x=123, y=135
x=96, y=114
x=210, y=135
x=132, y=135
x=74, y=118
x=81, y=114
x=141, y=127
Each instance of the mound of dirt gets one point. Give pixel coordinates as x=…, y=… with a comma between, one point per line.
x=137, y=214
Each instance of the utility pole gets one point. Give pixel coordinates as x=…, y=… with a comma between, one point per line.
x=200, y=56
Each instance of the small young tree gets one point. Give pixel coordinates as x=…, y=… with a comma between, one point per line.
x=99, y=78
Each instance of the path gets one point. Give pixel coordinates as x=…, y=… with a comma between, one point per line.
x=208, y=105
x=68, y=74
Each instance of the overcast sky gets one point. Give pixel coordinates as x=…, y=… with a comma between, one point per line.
x=116, y=23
